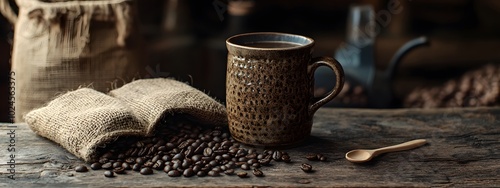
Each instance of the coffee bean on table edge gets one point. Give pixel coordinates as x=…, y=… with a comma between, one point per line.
x=146, y=171
x=95, y=166
x=109, y=173
x=306, y=167
x=258, y=172
x=242, y=174
x=81, y=168
x=119, y=170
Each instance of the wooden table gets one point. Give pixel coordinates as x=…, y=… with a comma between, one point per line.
x=463, y=151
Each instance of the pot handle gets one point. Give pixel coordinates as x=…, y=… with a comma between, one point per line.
x=7, y=11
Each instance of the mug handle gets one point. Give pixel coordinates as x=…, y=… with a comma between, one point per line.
x=339, y=74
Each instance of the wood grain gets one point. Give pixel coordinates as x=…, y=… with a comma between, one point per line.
x=463, y=151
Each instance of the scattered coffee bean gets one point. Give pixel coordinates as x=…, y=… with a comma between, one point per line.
x=257, y=172
x=81, y=168
x=136, y=167
x=117, y=164
x=174, y=173
x=312, y=157
x=107, y=165
x=229, y=172
x=146, y=171
x=119, y=170
x=126, y=166
x=201, y=174
x=306, y=167
x=96, y=166
x=188, y=172
x=286, y=158
x=242, y=174
x=213, y=173
x=109, y=173
x=245, y=166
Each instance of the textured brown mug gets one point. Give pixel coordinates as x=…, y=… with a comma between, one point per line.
x=269, y=87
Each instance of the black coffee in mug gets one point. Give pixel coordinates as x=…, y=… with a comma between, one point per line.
x=272, y=44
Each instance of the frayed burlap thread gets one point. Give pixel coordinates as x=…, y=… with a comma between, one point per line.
x=83, y=120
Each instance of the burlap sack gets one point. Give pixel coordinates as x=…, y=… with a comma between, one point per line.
x=61, y=45
x=84, y=119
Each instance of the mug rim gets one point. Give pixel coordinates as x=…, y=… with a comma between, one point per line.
x=230, y=41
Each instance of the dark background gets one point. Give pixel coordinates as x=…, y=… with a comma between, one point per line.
x=464, y=35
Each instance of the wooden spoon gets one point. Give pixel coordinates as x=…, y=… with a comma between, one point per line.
x=364, y=155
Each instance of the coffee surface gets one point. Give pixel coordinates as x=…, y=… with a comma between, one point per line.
x=272, y=44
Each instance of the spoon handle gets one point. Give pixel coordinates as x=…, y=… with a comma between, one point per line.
x=400, y=147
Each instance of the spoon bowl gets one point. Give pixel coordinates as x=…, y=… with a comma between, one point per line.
x=364, y=155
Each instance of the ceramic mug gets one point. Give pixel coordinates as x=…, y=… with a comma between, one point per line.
x=269, y=87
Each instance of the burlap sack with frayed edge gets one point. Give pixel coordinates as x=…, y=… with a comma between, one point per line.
x=84, y=119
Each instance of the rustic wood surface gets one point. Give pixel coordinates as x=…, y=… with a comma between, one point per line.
x=463, y=151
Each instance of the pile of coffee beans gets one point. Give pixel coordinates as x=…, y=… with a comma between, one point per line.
x=475, y=88
x=183, y=148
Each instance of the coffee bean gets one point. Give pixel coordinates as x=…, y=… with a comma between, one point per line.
x=156, y=158
x=119, y=170
x=201, y=173
x=258, y=172
x=196, y=168
x=213, y=163
x=256, y=165
x=126, y=166
x=179, y=156
x=121, y=156
x=130, y=160
x=207, y=152
x=312, y=157
x=186, y=163
x=265, y=161
x=306, y=167
x=229, y=172
x=81, y=168
x=140, y=160
x=96, y=166
x=213, y=173
x=174, y=173
x=188, y=172
x=251, y=156
x=245, y=166
x=167, y=169
x=109, y=174
x=226, y=143
x=107, y=165
x=169, y=146
x=277, y=155
x=137, y=167
x=322, y=158
x=146, y=171
x=117, y=164
x=216, y=169
x=242, y=174
x=166, y=158
x=252, y=161
x=158, y=165
x=286, y=158
x=260, y=156
x=148, y=164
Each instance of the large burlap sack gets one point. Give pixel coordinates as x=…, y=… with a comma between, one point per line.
x=61, y=45
x=85, y=119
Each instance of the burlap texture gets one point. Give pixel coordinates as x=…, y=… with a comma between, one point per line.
x=85, y=119
x=59, y=46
